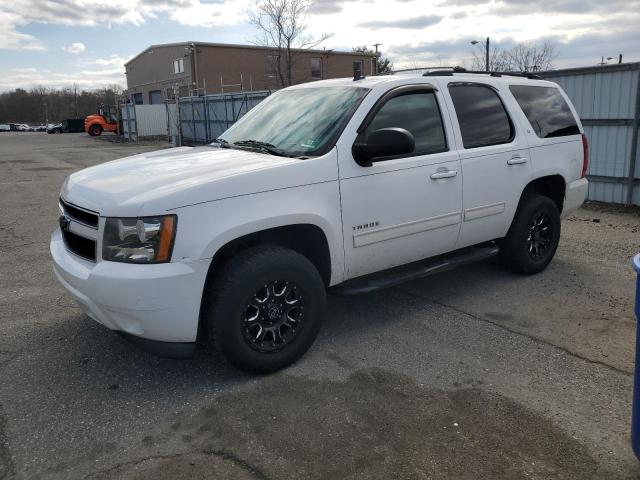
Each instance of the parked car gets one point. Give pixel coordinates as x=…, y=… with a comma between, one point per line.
x=54, y=128
x=70, y=125
x=5, y=127
x=353, y=185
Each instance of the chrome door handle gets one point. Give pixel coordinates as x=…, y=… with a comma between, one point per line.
x=516, y=160
x=444, y=174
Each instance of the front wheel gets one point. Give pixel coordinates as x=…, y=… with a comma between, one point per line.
x=534, y=235
x=264, y=308
x=95, y=130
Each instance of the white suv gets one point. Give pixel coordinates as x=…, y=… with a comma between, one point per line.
x=354, y=184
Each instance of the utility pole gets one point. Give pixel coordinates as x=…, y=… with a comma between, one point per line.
x=487, y=53
x=375, y=64
x=75, y=97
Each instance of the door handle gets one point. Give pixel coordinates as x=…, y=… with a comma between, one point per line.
x=444, y=174
x=516, y=160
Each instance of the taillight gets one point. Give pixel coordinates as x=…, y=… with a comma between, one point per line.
x=585, y=156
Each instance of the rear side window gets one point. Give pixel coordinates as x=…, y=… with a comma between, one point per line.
x=418, y=113
x=482, y=117
x=546, y=110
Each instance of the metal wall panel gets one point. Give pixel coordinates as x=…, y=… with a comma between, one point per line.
x=151, y=120
x=203, y=119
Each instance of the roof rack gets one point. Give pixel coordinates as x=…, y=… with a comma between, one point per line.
x=449, y=73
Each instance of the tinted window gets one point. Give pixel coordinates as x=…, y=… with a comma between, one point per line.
x=481, y=115
x=546, y=110
x=419, y=114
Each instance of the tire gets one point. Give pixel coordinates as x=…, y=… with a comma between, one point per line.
x=264, y=309
x=529, y=248
x=95, y=130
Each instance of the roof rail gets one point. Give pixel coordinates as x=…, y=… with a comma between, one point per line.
x=448, y=73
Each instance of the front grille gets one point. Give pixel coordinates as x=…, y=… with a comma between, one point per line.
x=81, y=246
x=83, y=216
x=79, y=230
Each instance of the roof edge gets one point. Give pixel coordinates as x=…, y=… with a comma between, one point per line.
x=254, y=47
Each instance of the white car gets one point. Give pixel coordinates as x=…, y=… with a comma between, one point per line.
x=353, y=184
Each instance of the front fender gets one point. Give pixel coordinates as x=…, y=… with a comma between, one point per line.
x=204, y=229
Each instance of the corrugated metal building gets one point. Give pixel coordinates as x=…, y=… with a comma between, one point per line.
x=607, y=99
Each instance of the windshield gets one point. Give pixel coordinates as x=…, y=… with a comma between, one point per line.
x=297, y=122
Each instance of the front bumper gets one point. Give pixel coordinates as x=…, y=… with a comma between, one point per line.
x=157, y=303
x=575, y=196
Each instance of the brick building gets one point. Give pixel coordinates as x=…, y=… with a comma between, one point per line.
x=155, y=74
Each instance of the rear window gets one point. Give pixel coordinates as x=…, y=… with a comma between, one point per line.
x=482, y=117
x=546, y=110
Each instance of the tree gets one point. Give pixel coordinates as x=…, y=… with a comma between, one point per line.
x=524, y=57
x=283, y=27
x=383, y=65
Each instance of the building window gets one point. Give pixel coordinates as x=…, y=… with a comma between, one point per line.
x=272, y=65
x=178, y=65
x=155, y=97
x=316, y=68
x=137, y=98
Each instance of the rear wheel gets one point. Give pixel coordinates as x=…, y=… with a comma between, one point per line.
x=264, y=309
x=534, y=235
x=95, y=130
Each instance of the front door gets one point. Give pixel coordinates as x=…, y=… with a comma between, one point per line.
x=404, y=208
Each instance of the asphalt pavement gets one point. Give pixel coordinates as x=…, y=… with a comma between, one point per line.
x=472, y=374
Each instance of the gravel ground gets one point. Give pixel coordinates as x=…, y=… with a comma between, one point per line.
x=471, y=374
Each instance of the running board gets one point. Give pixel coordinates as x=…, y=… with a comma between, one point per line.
x=406, y=273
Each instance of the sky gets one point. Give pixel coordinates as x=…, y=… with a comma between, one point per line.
x=58, y=43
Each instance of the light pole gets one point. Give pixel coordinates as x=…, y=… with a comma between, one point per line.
x=475, y=42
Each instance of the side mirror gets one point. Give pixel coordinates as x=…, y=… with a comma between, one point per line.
x=386, y=142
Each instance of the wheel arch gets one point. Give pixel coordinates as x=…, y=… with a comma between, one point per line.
x=308, y=239
x=552, y=186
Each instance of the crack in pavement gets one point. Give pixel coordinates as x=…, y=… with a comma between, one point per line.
x=222, y=454
x=516, y=332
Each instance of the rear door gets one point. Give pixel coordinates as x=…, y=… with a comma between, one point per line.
x=494, y=158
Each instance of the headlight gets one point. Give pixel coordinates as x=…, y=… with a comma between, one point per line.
x=139, y=240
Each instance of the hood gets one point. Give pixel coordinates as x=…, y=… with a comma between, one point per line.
x=155, y=182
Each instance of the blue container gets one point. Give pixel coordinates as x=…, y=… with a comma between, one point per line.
x=635, y=418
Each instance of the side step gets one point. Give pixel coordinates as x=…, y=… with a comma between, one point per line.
x=406, y=273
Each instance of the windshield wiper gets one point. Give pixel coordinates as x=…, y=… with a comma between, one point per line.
x=263, y=147
x=223, y=143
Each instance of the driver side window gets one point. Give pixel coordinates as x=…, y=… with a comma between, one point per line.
x=417, y=112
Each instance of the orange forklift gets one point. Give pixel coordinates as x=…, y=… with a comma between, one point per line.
x=106, y=120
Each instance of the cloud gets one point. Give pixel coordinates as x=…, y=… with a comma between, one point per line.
x=408, y=23
x=75, y=48
x=515, y=7
x=322, y=7
x=88, y=13
x=113, y=61
x=11, y=39
x=87, y=79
